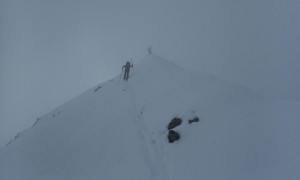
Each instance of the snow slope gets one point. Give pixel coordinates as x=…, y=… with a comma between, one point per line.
x=117, y=130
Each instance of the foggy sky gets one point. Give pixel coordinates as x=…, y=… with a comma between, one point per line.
x=51, y=51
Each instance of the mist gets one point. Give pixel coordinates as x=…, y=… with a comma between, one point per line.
x=51, y=51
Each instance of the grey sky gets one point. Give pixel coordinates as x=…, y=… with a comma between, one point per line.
x=50, y=51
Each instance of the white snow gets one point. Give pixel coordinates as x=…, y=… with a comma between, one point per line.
x=119, y=132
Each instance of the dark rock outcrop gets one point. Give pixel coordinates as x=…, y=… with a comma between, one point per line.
x=99, y=87
x=196, y=119
x=173, y=136
x=174, y=123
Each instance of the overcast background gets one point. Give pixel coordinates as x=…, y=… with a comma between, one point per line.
x=51, y=51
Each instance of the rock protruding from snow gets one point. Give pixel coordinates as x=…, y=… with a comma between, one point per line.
x=173, y=136
x=196, y=119
x=174, y=123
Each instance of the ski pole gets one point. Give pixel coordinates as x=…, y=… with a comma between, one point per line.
x=132, y=66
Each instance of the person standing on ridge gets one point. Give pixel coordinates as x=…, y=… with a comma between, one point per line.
x=127, y=67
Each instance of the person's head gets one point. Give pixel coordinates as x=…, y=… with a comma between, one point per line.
x=127, y=63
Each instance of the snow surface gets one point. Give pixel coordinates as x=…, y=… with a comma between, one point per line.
x=117, y=130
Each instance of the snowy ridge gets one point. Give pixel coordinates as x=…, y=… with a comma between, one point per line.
x=117, y=130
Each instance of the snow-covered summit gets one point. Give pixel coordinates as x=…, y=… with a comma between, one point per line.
x=118, y=130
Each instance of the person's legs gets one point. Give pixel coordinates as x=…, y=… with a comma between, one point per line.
x=126, y=75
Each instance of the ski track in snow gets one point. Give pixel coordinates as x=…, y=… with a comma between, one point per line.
x=152, y=153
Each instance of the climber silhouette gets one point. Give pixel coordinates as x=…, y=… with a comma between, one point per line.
x=127, y=67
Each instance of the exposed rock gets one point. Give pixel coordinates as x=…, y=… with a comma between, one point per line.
x=173, y=136
x=174, y=123
x=196, y=119
x=99, y=87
